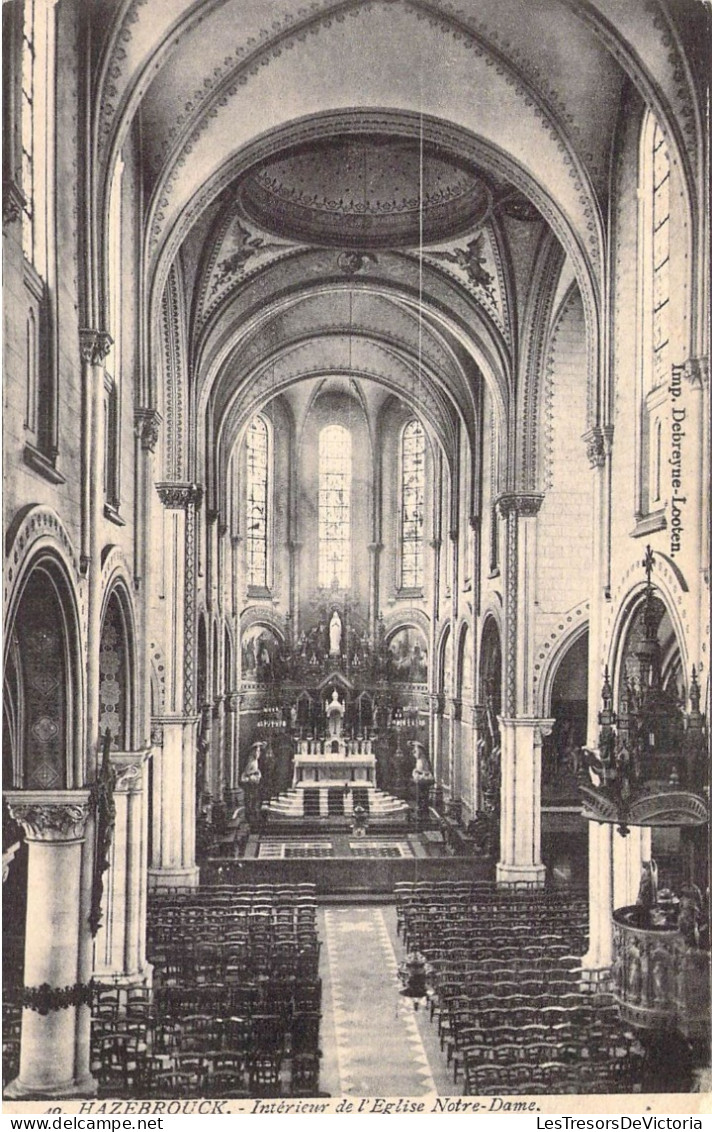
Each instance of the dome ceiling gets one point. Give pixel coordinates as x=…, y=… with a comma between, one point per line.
x=366, y=192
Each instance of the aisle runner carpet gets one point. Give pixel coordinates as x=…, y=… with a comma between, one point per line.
x=379, y=1049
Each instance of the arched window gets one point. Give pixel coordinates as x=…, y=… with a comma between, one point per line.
x=654, y=300
x=334, y=507
x=412, y=505
x=257, y=445
x=114, y=693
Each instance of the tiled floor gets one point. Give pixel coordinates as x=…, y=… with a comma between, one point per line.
x=374, y=1043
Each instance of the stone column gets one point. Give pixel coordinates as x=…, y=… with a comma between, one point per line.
x=520, y=818
x=597, y=453
x=521, y=733
x=54, y=1054
x=232, y=704
x=218, y=749
x=173, y=833
x=295, y=552
x=119, y=949
x=94, y=345
x=374, y=550
x=614, y=871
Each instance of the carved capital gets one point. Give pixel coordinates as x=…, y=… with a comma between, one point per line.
x=595, y=447
x=148, y=426
x=94, y=345
x=179, y=496
x=697, y=372
x=156, y=735
x=50, y=815
x=524, y=503
x=13, y=202
x=543, y=728
x=233, y=701
x=128, y=767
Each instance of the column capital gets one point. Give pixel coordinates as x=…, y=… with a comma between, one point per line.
x=148, y=423
x=374, y=547
x=179, y=496
x=595, y=446
x=13, y=201
x=94, y=345
x=524, y=503
x=697, y=372
x=50, y=815
x=540, y=727
x=233, y=701
x=156, y=733
x=128, y=766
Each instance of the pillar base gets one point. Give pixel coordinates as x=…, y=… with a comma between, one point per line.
x=534, y=875
x=142, y=978
x=188, y=877
x=595, y=978
x=85, y=1087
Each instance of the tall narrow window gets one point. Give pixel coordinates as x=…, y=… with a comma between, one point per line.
x=654, y=298
x=334, y=507
x=112, y=435
x=257, y=445
x=660, y=219
x=32, y=372
x=28, y=126
x=412, y=504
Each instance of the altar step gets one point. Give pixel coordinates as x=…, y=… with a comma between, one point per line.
x=315, y=802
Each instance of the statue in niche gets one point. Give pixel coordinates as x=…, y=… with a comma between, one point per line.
x=335, y=715
x=421, y=770
x=335, y=634
x=648, y=891
x=252, y=775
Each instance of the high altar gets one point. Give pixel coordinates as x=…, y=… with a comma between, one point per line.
x=334, y=762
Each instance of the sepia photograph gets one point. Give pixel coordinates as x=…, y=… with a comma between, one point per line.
x=356, y=480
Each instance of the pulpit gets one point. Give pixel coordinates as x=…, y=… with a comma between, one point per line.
x=661, y=982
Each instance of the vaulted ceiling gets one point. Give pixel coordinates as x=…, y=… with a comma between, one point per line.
x=425, y=151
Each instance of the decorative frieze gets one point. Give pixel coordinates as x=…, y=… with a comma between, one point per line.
x=94, y=345
x=148, y=427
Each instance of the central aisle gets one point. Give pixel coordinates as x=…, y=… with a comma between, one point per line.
x=374, y=1043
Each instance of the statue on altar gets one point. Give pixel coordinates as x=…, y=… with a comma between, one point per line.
x=335, y=634
x=335, y=711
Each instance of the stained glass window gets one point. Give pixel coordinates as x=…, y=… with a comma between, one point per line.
x=334, y=507
x=661, y=255
x=412, y=504
x=257, y=445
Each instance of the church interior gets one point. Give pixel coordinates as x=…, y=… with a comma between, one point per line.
x=356, y=561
